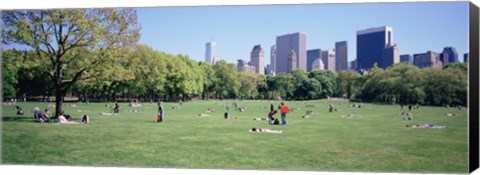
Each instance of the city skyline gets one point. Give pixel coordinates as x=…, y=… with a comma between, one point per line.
x=415, y=30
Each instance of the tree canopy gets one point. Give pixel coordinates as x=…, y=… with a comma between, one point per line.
x=68, y=43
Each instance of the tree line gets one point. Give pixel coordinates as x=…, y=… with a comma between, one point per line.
x=149, y=75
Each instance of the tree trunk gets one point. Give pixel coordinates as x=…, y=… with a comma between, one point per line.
x=85, y=97
x=58, y=90
x=349, y=93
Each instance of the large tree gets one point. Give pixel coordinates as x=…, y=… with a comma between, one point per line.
x=327, y=80
x=10, y=68
x=347, y=82
x=227, y=83
x=60, y=38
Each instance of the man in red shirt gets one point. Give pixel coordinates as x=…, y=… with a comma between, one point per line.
x=283, y=111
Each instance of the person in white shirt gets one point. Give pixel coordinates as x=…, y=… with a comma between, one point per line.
x=63, y=119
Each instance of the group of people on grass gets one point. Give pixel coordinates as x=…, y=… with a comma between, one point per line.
x=62, y=117
x=284, y=109
x=409, y=116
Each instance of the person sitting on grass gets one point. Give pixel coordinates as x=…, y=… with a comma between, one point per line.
x=241, y=109
x=228, y=117
x=426, y=126
x=19, y=110
x=64, y=119
x=85, y=119
x=37, y=114
x=210, y=110
x=266, y=130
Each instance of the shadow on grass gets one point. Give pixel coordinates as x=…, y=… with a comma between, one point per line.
x=19, y=118
x=153, y=122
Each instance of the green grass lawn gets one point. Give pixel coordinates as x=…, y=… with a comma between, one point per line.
x=377, y=141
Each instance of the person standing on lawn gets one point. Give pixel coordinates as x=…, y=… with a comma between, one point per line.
x=161, y=115
x=283, y=111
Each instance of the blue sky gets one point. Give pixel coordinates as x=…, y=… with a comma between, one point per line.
x=417, y=27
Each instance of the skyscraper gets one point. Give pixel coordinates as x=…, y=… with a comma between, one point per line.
x=370, y=45
x=328, y=58
x=313, y=55
x=273, y=58
x=291, y=61
x=284, y=45
x=406, y=58
x=449, y=55
x=391, y=55
x=429, y=59
x=256, y=59
x=210, y=51
x=341, y=56
x=465, y=57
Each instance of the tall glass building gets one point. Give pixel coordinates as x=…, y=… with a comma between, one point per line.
x=284, y=45
x=341, y=56
x=273, y=58
x=370, y=46
x=210, y=51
